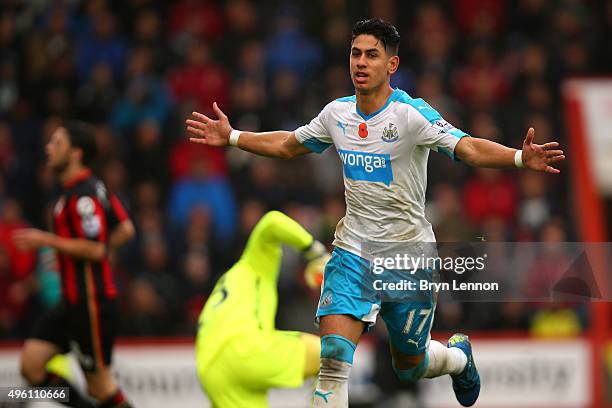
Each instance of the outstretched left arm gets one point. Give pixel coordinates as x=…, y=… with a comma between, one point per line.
x=485, y=153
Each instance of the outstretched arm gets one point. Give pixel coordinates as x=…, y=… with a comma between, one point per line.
x=204, y=130
x=485, y=153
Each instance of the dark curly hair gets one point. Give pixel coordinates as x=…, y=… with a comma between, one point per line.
x=81, y=136
x=381, y=30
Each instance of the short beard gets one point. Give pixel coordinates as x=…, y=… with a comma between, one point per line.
x=60, y=168
x=366, y=91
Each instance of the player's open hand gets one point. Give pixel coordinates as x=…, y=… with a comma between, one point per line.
x=30, y=238
x=541, y=157
x=204, y=130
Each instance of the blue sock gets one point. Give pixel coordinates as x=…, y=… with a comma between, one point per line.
x=336, y=362
x=338, y=348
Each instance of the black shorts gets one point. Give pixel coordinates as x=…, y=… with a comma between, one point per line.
x=87, y=330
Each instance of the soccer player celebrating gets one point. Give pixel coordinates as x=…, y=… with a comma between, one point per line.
x=383, y=137
x=239, y=353
x=87, y=220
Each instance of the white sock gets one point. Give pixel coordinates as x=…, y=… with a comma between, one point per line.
x=444, y=360
x=332, y=386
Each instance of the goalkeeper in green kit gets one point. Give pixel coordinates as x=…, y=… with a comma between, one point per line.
x=240, y=355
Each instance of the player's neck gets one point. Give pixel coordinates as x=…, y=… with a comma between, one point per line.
x=71, y=173
x=370, y=102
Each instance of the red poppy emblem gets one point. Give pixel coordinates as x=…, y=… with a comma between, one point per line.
x=363, y=130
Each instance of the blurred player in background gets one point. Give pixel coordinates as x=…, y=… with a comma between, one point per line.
x=87, y=221
x=383, y=137
x=239, y=353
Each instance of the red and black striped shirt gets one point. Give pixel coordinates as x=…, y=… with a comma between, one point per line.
x=86, y=210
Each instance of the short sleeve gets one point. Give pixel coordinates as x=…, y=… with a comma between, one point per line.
x=314, y=135
x=116, y=212
x=435, y=132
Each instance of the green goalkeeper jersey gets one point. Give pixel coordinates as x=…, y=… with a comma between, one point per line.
x=245, y=298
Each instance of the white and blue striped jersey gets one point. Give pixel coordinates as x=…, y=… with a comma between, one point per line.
x=384, y=159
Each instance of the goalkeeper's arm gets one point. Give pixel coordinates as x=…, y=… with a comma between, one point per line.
x=275, y=229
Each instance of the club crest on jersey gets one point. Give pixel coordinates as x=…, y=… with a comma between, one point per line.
x=85, y=206
x=390, y=133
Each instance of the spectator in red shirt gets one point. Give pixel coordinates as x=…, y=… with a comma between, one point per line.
x=196, y=19
x=490, y=194
x=481, y=84
x=199, y=79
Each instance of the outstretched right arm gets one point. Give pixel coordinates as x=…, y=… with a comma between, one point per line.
x=280, y=144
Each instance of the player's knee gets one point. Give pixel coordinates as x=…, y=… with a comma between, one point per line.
x=411, y=371
x=34, y=374
x=32, y=368
x=336, y=347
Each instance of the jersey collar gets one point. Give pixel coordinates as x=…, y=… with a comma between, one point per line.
x=394, y=95
x=83, y=174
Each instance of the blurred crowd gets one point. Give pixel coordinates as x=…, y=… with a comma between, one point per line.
x=136, y=69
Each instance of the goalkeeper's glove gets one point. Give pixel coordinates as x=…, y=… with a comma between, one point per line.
x=316, y=256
